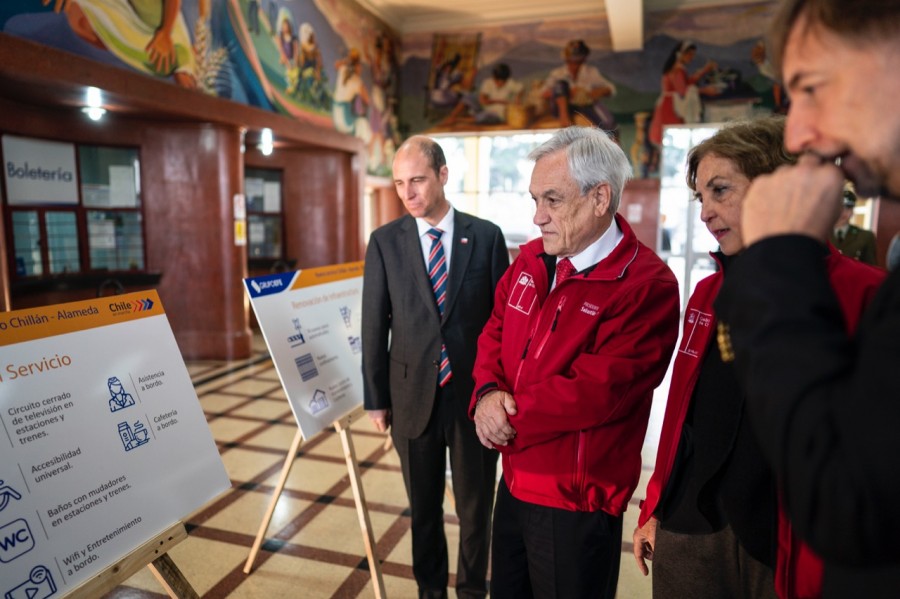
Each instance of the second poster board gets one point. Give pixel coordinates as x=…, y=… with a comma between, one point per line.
x=311, y=322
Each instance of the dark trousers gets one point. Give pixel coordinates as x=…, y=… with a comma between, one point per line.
x=474, y=476
x=551, y=553
x=707, y=566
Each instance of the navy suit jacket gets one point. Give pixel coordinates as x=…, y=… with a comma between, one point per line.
x=401, y=327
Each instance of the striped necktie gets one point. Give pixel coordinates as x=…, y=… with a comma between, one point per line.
x=437, y=272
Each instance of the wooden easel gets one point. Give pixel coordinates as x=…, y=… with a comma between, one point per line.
x=154, y=555
x=342, y=426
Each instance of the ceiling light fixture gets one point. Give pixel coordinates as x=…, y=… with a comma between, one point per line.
x=266, y=142
x=94, y=101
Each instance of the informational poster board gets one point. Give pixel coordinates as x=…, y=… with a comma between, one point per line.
x=311, y=321
x=104, y=444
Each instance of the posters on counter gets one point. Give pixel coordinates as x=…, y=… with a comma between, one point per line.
x=103, y=444
x=311, y=322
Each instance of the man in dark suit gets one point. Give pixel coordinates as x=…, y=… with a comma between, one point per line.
x=428, y=289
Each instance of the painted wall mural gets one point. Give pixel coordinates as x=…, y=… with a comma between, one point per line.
x=699, y=65
x=332, y=64
x=325, y=62
x=451, y=76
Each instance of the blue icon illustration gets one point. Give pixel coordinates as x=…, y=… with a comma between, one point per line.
x=297, y=338
x=133, y=436
x=39, y=585
x=15, y=540
x=345, y=314
x=5, y=493
x=318, y=402
x=118, y=397
x=355, y=344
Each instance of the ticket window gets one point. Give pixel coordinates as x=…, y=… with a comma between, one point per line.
x=45, y=242
x=84, y=217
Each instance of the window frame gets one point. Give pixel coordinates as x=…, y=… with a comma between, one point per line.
x=86, y=268
x=472, y=168
x=269, y=175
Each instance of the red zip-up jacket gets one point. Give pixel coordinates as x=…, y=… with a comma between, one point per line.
x=581, y=363
x=798, y=570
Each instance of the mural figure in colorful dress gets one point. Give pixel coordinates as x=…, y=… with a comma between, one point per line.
x=495, y=95
x=447, y=81
x=148, y=35
x=311, y=88
x=760, y=58
x=382, y=116
x=351, y=99
x=680, y=101
x=575, y=88
x=289, y=50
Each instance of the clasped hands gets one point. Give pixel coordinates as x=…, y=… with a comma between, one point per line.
x=492, y=414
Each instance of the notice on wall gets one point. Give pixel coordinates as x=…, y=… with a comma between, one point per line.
x=272, y=197
x=103, y=443
x=311, y=322
x=123, y=186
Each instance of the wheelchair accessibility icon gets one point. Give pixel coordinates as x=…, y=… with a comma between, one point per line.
x=7, y=492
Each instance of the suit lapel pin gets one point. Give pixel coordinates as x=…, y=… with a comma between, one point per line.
x=464, y=240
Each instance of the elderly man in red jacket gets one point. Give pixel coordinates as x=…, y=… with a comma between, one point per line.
x=583, y=326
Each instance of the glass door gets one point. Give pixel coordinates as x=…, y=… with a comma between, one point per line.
x=684, y=241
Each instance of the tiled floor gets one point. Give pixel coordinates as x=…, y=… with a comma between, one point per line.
x=314, y=547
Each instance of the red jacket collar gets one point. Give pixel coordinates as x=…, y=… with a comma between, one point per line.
x=611, y=267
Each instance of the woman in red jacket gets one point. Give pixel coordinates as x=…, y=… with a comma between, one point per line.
x=711, y=521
